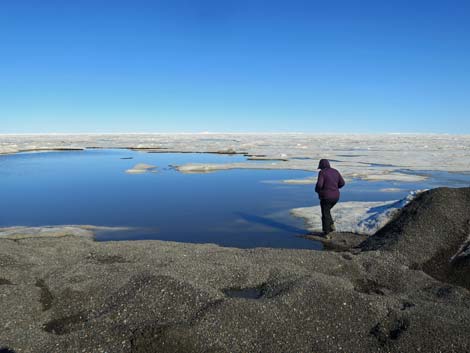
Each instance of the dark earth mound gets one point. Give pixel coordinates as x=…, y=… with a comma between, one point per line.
x=432, y=233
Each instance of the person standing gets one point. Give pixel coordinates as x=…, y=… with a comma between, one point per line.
x=328, y=184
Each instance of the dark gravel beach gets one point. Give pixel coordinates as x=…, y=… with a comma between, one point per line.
x=405, y=289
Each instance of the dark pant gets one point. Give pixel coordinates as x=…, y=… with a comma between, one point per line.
x=326, y=220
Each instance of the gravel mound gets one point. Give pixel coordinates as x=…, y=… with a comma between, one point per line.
x=432, y=233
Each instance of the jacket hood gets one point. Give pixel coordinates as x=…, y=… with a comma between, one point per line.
x=324, y=163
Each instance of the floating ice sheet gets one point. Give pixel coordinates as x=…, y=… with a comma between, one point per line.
x=141, y=168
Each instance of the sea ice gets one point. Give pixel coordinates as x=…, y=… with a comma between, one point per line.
x=368, y=157
x=305, y=181
x=390, y=190
x=21, y=232
x=141, y=168
x=353, y=216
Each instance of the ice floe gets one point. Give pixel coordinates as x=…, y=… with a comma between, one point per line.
x=21, y=232
x=305, y=181
x=390, y=190
x=353, y=216
x=141, y=168
x=393, y=177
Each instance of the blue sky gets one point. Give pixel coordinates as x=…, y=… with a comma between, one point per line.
x=241, y=65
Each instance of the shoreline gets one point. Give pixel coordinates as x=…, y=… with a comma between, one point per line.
x=73, y=294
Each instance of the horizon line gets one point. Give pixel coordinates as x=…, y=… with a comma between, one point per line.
x=228, y=133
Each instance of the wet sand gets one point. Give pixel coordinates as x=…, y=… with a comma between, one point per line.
x=405, y=289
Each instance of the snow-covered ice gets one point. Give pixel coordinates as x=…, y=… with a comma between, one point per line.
x=357, y=217
x=367, y=157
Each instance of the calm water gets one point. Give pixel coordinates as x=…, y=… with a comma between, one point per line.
x=242, y=208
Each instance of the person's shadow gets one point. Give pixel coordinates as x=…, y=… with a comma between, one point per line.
x=270, y=223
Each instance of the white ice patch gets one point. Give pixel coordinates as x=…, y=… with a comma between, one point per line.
x=390, y=190
x=22, y=232
x=305, y=181
x=141, y=168
x=394, y=177
x=357, y=217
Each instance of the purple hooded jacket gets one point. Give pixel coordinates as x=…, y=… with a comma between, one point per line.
x=329, y=181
